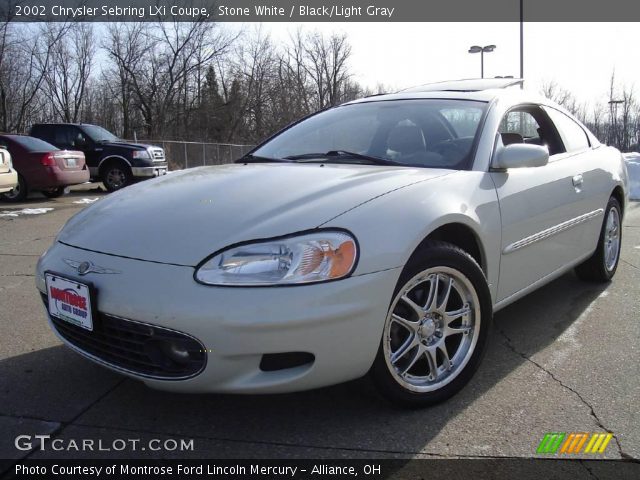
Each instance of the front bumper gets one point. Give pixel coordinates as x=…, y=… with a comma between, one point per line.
x=340, y=322
x=154, y=171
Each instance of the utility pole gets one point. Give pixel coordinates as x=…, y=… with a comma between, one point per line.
x=522, y=42
x=613, y=110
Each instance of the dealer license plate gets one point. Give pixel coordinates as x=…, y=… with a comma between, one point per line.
x=69, y=301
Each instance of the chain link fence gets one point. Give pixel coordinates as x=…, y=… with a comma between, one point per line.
x=181, y=155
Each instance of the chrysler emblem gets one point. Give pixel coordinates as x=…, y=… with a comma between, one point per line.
x=87, y=267
x=83, y=268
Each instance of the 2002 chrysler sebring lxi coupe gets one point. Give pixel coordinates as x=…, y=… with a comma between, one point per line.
x=378, y=236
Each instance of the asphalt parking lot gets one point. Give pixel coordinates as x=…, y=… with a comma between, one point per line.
x=564, y=359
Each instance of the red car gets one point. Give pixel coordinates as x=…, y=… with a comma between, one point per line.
x=43, y=167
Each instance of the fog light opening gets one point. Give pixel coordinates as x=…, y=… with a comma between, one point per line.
x=169, y=350
x=272, y=362
x=176, y=352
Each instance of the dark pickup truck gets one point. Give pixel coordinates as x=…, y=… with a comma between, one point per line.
x=115, y=162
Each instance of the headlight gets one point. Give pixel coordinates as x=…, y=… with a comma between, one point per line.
x=141, y=154
x=302, y=259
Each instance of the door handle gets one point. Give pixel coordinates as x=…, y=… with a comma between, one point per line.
x=577, y=180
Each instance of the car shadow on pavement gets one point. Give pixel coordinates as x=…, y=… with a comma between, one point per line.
x=345, y=421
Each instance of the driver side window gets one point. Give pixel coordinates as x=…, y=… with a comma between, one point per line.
x=78, y=139
x=532, y=126
x=519, y=127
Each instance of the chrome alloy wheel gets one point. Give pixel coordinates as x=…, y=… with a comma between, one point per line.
x=116, y=177
x=431, y=329
x=612, y=239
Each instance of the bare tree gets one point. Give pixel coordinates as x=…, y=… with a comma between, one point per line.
x=68, y=72
x=27, y=50
x=126, y=45
x=562, y=97
x=326, y=63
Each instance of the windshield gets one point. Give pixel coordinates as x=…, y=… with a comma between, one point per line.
x=424, y=133
x=99, y=134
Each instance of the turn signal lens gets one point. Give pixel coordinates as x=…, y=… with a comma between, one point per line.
x=309, y=258
x=48, y=160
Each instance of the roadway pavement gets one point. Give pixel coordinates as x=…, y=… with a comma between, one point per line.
x=563, y=359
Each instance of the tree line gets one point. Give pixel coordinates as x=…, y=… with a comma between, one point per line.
x=201, y=82
x=614, y=121
x=181, y=81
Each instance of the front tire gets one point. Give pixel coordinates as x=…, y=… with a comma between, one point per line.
x=602, y=265
x=116, y=176
x=436, y=329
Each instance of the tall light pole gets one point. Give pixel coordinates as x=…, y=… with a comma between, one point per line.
x=521, y=42
x=613, y=110
x=482, y=51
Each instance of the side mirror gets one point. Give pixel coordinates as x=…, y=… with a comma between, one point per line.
x=519, y=155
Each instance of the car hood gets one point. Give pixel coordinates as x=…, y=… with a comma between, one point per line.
x=185, y=216
x=126, y=145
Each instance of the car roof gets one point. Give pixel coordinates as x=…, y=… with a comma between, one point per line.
x=474, y=89
x=62, y=123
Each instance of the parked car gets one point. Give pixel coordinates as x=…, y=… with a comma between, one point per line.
x=114, y=162
x=378, y=236
x=43, y=167
x=8, y=176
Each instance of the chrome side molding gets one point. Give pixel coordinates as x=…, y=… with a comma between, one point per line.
x=561, y=227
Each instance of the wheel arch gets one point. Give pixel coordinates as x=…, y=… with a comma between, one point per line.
x=618, y=194
x=109, y=159
x=461, y=235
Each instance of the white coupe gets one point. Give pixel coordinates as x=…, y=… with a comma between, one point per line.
x=377, y=237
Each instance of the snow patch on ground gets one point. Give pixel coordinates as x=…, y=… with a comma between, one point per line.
x=633, y=167
x=86, y=201
x=24, y=211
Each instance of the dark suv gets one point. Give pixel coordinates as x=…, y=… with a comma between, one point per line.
x=113, y=161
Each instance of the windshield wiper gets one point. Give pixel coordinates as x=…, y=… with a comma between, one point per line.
x=339, y=156
x=250, y=158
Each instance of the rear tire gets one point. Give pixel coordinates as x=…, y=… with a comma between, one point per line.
x=433, y=342
x=19, y=193
x=115, y=176
x=53, y=192
x=602, y=265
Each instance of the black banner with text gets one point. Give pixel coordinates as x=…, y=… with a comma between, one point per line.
x=320, y=10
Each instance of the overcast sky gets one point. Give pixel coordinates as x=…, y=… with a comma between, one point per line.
x=578, y=56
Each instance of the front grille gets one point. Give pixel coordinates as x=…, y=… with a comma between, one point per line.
x=135, y=347
x=158, y=154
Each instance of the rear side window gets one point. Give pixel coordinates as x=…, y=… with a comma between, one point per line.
x=63, y=136
x=42, y=131
x=573, y=135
